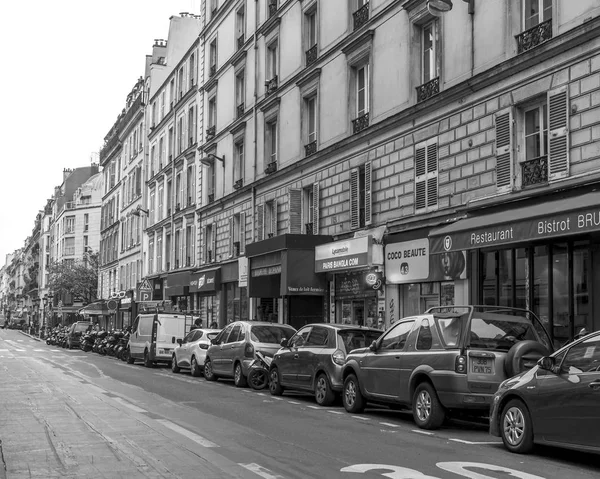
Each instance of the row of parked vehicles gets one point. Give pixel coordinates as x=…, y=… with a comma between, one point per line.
x=494, y=362
x=82, y=335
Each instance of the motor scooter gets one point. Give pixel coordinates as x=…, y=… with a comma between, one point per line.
x=258, y=377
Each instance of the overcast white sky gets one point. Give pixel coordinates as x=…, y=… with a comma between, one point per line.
x=67, y=68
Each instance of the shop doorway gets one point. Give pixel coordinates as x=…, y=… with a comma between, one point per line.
x=358, y=312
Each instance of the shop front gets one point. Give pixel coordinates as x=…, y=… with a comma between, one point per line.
x=177, y=290
x=417, y=280
x=540, y=256
x=126, y=310
x=282, y=280
x=204, y=289
x=234, y=294
x=353, y=270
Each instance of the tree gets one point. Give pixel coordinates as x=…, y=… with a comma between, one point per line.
x=78, y=278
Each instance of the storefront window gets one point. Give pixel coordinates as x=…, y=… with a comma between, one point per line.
x=560, y=293
x=541, y=297
x=506, y=277
x=521, y=278
x=236, y=302
x=581, y=281
x=419, y=297
x=208, y=311
x=359, y=312
x=488, y=278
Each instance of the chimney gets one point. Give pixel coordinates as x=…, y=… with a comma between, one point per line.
x=66, y=173
x=159, y=50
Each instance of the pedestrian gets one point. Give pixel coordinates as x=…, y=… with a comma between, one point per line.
x=214, y=325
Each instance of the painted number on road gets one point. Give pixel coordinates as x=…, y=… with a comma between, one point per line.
x=459, y=468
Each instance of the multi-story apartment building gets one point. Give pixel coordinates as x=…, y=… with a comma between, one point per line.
x=370, y=125
x=171, y=171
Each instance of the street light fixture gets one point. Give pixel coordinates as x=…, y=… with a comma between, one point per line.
x=209, y=159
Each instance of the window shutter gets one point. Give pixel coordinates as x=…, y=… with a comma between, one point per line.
x=315, y=207
x=230, y=236
x=432, y=175
x=368, y=196
x=504, y=160
x=420, y=177
x=274, y=218
x=242, y=233
x=260, y=222
x=354, y=199
x=205, y=245
x=214, y=241
x=295, y=211
x=558, y=133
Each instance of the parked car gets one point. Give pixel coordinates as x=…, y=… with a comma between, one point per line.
x=75, y=332
x=191, y=352
x=557, y=402
x=232, y=350
x=444, y=360
x=312, y=359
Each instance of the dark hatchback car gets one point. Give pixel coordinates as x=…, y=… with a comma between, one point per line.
x=76, y=330
x=312, y=359
x=556, y=403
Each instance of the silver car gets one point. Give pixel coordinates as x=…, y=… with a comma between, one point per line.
x=191, y=352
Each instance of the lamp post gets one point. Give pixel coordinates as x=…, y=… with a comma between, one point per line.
x=50, y=297
x=43, y=326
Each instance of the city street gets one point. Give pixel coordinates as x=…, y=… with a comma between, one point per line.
x=74, y=414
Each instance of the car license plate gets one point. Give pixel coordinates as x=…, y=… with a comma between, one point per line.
x=482, y=365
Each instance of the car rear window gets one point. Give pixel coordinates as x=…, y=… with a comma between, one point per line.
x=500, y=332
x=212, y=335
x=356, y=339
x=81, y=327
x=270, y=334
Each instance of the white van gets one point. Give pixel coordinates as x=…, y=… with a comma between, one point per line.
x=154, y=337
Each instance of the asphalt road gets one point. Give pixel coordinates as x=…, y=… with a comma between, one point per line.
x=73, y=414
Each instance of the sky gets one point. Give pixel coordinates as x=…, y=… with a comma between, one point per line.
x=67, y=68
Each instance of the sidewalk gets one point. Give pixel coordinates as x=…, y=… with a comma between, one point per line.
x=29, y=335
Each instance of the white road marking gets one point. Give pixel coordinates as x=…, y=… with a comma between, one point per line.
x=462, y=441
x=362, y=418
x=314, y=407
x=389, y=424
x=55, y=350
x=4, y=350
x=133, y=407
x=189, y=434
x=335, y=412
x=38, y=350
x=294, y=402
x=20, y=350
x=261, y=471
x=20, y=340
x=422, y=432
x=278, y=399
x=261, y=394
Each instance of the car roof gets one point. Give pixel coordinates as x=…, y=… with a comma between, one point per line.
x=261, y=323
x=337, y=326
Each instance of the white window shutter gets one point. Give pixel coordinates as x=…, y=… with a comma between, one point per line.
x=504, y=155
x=558, y=133
x=214, y=241
x=368, y=195
x=420, y=177
x=295, y=211
x=354, y=199
x=231, y=236
x=242, y=233
x=274, y=218
x=316, y=207
x=432, y=175
x=260, y=222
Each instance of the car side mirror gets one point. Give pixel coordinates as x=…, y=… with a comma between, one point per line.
x=180, y=342
x=284, y=343
x=213, y=341
x=373, y=346
x=547, y=363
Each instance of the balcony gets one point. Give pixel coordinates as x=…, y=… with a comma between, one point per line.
x=168, y=267
x=271, y=85
x=240, y=41
x=168, y=211
x=191, y=142
x=309, y=228
x=212, y=71
x=209, y=256
x=311, y=148
x=240, y=110
x=211, y=197
x=311, y=55
x=177, y=207
x=361, y=16
x=427, y=90
x=534, y=172
x=176, y=264
x=360, y=123
x=188, y=261
x=189, y=202
x=271, y=168
x=211, y=131
x=534, y=36
x=272, y=7
x=238, y=184
x=236, y=248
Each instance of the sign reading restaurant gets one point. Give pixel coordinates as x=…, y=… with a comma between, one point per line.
x=341, y=255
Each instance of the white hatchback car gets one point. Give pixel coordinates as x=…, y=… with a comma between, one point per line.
x=191, y=352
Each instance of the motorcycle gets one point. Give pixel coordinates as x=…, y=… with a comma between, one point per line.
x=122, y=345
x=87, y=342
x=258, y=377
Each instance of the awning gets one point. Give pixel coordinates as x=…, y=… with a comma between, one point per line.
x=559, y=217
x=95, y=308
x=207, y=281
x=178, y=284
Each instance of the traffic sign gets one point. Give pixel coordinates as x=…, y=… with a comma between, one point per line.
x=145, y=285
x=145, y=296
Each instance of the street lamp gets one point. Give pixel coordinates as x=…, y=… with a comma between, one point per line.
x=45, y=302
x=50, y=297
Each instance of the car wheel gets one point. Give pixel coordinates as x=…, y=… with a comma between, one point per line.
x=352, y=397
x=196, y=371
x=516, y=427
x=428, y=412
x=238, y=376
x=274, y=385
x=324, y=395
x=174, y=366
x=130, y=360
x=209, y=375
x=147, y=362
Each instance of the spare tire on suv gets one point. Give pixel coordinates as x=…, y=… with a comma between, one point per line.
x=523, y=356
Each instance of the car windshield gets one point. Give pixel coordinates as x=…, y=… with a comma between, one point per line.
x=270, y=334
x=356, y=339
x=82, y=327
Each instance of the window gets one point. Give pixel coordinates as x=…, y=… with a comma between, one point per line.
x=536, y=12
x=151, y=256
x=178, y=246
x=213, y=58
x=86, y=222
x=180, y=78
x=190, y=185
x=310, y=122
x=270, y=221
x=212, y=112
x=299, y=339
x=211, y=181
x=171, y=143
x=238, y=166
x=310, y=35
x=272, y=61
x=210, y=243
x=152, y=161
x=426, y=175
x=303, y=207
x=189, y=245
x=237, y=234
x=360, y=16
x=151, y=217
x=69, y=225
x=240, y=23
x=192, y=70
x=161, y=196
x=178, y=191
x=395, y=339
x=180, y=135
x=169, y=196
x=360, y=196
x=583, y=358
x=161, y=152
x=429, y=82
x=159, y=251
x=153, y=115
x=536, y=131
x=163, y=99
x=192, y=126
x=319, y=337
x=271, y=141
x=172, y=92
x=69, y=246
x=240, y=93
x=168, y=251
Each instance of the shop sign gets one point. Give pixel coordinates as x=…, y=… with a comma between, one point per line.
x=341, y=255
x=358, y=284
x=206, y=281
x=550, y=226
x=412, y=261
x=243, y=271
x=157, y=295
x=266, y=271
x=126, y=301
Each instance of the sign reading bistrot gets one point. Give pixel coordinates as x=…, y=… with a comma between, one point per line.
x=343, y=255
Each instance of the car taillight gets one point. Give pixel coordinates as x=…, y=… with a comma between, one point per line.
x=203, y=346
x=249, y=350
x=460, y=365
x=338, y=357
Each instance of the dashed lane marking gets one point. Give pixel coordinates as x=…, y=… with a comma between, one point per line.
x=4, y=350
x=335, y=412
x=313, y=407
x=38, y=350
x=20, y=350
x=418, y=431
x=389, y=424
x=261, y=471
x=277, y=399
x=133, y=407
x=463, y=441
x=362, y=418
x=189, y=434
x=294, y=402
x=20, y=340
x=55, y=350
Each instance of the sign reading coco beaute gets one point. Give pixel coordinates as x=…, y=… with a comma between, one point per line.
x=341, y=255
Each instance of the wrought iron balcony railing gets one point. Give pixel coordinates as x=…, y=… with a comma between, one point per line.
x=272, y=7
x=360, y=123
x=211, y=131
x=213, y=70
x=240, y=110
x=271, y=168
x=238, y=184
x=311, y=55
x=361, y=16
x=240, y=41
x=309, y=228
x=211, y=197
x=310, y=148
x=236, y=248
x=427, y=90
x=534, y=171
x=534, y=36
x=271, y=85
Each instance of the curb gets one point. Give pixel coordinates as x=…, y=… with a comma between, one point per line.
x=30, y=336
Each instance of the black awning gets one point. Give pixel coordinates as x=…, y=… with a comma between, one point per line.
x=178, y=283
